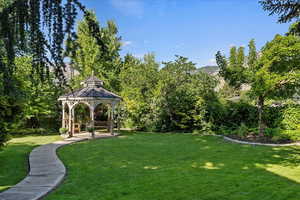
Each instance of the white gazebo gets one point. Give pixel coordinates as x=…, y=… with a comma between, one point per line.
x=92, y=94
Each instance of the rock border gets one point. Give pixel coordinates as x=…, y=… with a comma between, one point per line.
x=258, y=143
x=46, y=171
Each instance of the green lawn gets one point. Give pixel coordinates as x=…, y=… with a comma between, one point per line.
x=177, y=167
x=14, y=158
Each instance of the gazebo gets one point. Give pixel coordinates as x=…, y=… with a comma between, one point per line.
x=92, y=94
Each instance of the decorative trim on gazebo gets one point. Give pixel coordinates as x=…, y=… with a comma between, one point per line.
x=92, y=95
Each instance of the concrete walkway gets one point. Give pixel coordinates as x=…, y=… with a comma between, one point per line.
x=46, y=171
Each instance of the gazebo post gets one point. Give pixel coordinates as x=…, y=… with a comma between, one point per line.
x=63, y=115
x=71, y=121
x=112, y=119
x=92, y=120
x=118, y=120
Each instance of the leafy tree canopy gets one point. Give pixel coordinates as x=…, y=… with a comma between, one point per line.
x=39, y=28
x=277, y=74
x=87, y=57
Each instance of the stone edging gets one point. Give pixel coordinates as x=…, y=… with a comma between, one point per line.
x=257, y=143
x=46, y=172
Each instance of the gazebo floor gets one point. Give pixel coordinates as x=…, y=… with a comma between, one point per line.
x=85, y=134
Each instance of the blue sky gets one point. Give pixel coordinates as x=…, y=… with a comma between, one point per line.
x=196, y=29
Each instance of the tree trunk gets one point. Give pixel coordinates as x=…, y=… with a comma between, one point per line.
x=261, y=101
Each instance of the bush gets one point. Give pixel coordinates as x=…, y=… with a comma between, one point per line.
x=285, y=117
x=28, y=131
x=279, y=135
x=272, y=116
x=242, y=131
x=90, y=129
x=63, y=130
x=241, y=119
x=223, y=130
x=236, y=114
x=4, y=137
x=276, y=138
x=291, y=117
x=253, y=131
x=293, y=135
x=206, y=129
x=270, y=132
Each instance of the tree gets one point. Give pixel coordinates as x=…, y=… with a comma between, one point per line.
x=286, y=9
x=40, y=26
x=176, y=97
x=232, y=56
x=233, y=70
x=294, y=29
x=86, y=55
x=37, y=28
x=252, y=56
x=138, y=82
x=182, y=96
x=38, y=101
x=277, y=73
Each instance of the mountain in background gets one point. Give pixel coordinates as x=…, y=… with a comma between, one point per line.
x=209, y=69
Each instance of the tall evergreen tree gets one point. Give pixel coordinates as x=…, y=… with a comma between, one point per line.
x=240, y=57
x=294, y=29
x=86, y=55
x=233, y=70
x=232, y=56
x=252, y=55
x=286, y=9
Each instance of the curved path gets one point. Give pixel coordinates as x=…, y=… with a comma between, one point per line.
x=46, y=171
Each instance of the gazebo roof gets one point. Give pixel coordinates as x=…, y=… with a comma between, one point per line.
x=93, y=89
x=93, y=80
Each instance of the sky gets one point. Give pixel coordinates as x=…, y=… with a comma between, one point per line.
x=196, y=29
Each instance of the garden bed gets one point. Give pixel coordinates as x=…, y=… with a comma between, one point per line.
x=260, y=139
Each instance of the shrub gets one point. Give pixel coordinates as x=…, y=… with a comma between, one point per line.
x=270, y=132
x=253, y=131
x=279, y=135
x=63, y=130
x=241, y=119
x=242, y=131
x=205, y=129
x=4, y=137
x=28, y=131
x=238, y=113
x=276, y=138
x=272, y=116
x=223, y=130
x=90, y=129
x=293, y=135
x=285, y=117
x=291, y=117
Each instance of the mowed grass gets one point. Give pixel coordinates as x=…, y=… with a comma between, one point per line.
x=177, y=167
x=14, y=158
